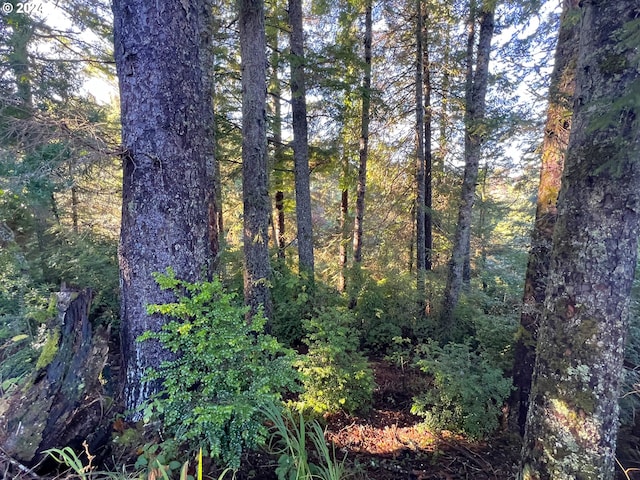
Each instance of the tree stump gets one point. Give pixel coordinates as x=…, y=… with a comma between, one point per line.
x=63, y=402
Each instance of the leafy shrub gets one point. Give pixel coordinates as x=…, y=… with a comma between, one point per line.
x=292, y=304
x=296, y=300
x=225, y=370
x=467, y=393
x=336, y=375
x=384, y=309
x=495, y=336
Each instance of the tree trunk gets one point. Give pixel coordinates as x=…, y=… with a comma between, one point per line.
x=556, y=139
x=167, y=137
x=572, y=422
x=420, y=157
x=62, y=404
x=344, y=227
x=474, y=135
x=428, y=157
x=358, y=228
x=300, y=141
x=257, y=205
x=275, y=91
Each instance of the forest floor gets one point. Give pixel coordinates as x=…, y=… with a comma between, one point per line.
x=390, y=443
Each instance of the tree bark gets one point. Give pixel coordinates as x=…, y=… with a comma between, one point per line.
x=300, y=141
x=474, y=137
x=167, y=138
x=556, y=139
x=358, y=228
x=275, y=91
x=428, y=156
x=62, y=405
x=420, y=157
x=257, y=206
x=572, y=422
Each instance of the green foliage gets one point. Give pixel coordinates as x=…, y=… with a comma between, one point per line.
x=67, y=456
x=289, y=436
x=467, y=393
x=295, y=300
x=225, y=370
x=385, y=309
x=49, y=349
x=494, y=336
x=336, y=375
x=292, y=304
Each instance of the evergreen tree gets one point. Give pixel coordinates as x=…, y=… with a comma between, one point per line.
x=257, y=206
x=300, y=140
x=475, y=133
x=572, y=421
x=556, y=139
x=167, y=124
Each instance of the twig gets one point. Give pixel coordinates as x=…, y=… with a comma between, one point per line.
x=24, y=469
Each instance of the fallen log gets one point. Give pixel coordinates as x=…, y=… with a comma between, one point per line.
x=63, y=403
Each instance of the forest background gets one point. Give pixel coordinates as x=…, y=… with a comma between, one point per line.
x=367, y=293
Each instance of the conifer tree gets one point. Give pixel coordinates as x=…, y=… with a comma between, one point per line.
x=256, y=202
x=556, y=139
x=572, y=422
x=167, y=123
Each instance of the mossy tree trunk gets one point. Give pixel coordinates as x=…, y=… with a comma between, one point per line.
x=63, y=403
x=556, y=139
x=161, y=51
x=572, y=422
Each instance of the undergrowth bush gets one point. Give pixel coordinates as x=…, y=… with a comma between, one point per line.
x=384, y=309
x=467, y=394
x=336, y=375
x=224, y=372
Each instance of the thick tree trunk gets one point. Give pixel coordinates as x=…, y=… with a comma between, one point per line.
x=572, y=422
x=167, y=137
x=300, y=141
x=257, y=205
x=556, y=139
x=358, y=227
x=474, y=135
x=62, y=404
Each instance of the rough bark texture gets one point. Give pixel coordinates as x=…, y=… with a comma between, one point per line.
x=363, y=152
x=167, y=136
x=573, y=417
x=300, y=140
x=257, y=205
x=556, y=139
x=63, y=403
x=474, y=133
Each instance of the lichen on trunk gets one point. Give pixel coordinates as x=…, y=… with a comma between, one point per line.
x=572, y=421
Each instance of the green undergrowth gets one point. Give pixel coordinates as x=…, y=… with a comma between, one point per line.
x=226, y=371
